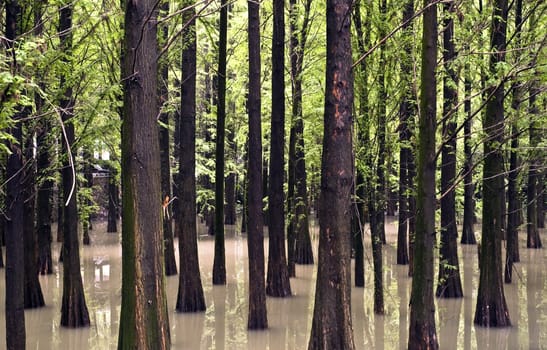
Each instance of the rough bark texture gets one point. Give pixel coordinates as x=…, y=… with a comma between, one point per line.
x=491, y=309
x=422, y=332
x=331, y=323
x=277, y=281
x=190, y=293
x=219, y=262
x=257, y=318
x=74, y=311
x=14, y=238
x=144, y=322
x=449, y=282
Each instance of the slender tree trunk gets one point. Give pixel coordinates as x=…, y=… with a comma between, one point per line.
x=468, y=231
x=422, y=332
x=491, y=309
x=449, y=282
x=74, y=311
x=88, y=176
x=533, y=192
x=230, y=214
x=331, y=323
x=257, y=287
x=144, y=322
x=112, y=221
x=219, y=262
x=277, y=281
x=190, y=296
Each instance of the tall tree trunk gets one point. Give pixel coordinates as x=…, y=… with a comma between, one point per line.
x=230, y=214
x=533, y=193
x=74, y=311
x=405, y=110
x=449, y=282
x=277, y=281
x=144, y=322
x=14, y=237
x=257, y=287
x=219, y=262
x=422, y=332
x=165, y=159
x=331, y=323
x=491, y=309
x=190, y=296
x=512, y=251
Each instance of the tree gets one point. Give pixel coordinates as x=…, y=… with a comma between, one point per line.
x=491, y=309
x=255, y=237
x=449, y=282
x=277, y=282
x=144, y=322
x=422, y=333
x=74, y=311
x=331, y=323
x=219, y=262
x=190, y=294
x=533, y=190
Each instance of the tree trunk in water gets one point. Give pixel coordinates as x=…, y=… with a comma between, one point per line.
x=422, y=332
x=219, y=262
x=190, y=296
x=491, y=309
x=277, y=281
x=257, y=287
x=533, y=193
x=144, y=322
x=468, y=231
x=74, y=311
x=165, y=160
x=331, y=323
x=449, y=282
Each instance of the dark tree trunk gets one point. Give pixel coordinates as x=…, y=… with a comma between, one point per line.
x=33, y=292
x=358, y=232
x=144, y=322
x=422, y=332
x=405, y=111
x=74, y=311
x=112, y=223
x=257, y=287
x=291, y=179
x=60, y=207
x=533, y=191
x=411, y=210
x=331, y=323
x=491, y=309
x=165, y=160
x=14, y=237
x=512, y=251
x=277, y=281
x=219, y=262
x=88, y=176
x=449, y=282
x=190, y=296
x=230, y=214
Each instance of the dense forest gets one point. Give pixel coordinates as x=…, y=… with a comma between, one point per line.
x=159, y=116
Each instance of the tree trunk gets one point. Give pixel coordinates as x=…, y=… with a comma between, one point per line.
x=230, y=214
x=331, y=323
x=257, y=290
x=112, y=223
x=190, y=296
x=74, y=311
x=88, y=176
x=144, y=322
x=219, y=262
x=491, y=309
x=533, y=193
x=277, y=281
x=422, y=332
x=449, y=282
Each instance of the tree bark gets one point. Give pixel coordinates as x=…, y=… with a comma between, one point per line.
x=491, y=309
x=144, y=322
x=190, y=296
x=257, y=318
x=422, y=332
x=331, y=323
x=533, y=192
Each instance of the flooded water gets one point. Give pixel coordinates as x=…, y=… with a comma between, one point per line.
x=223, y=325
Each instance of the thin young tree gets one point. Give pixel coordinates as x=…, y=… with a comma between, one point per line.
x=277, y=281
x=144, y=322
x=491, y=309
x=422, y=332
x=331, y=323
x=449, y=282
x=74, y=311
x=257, y=317
x=533, y=192
x=190, y=296
x=219, y=261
